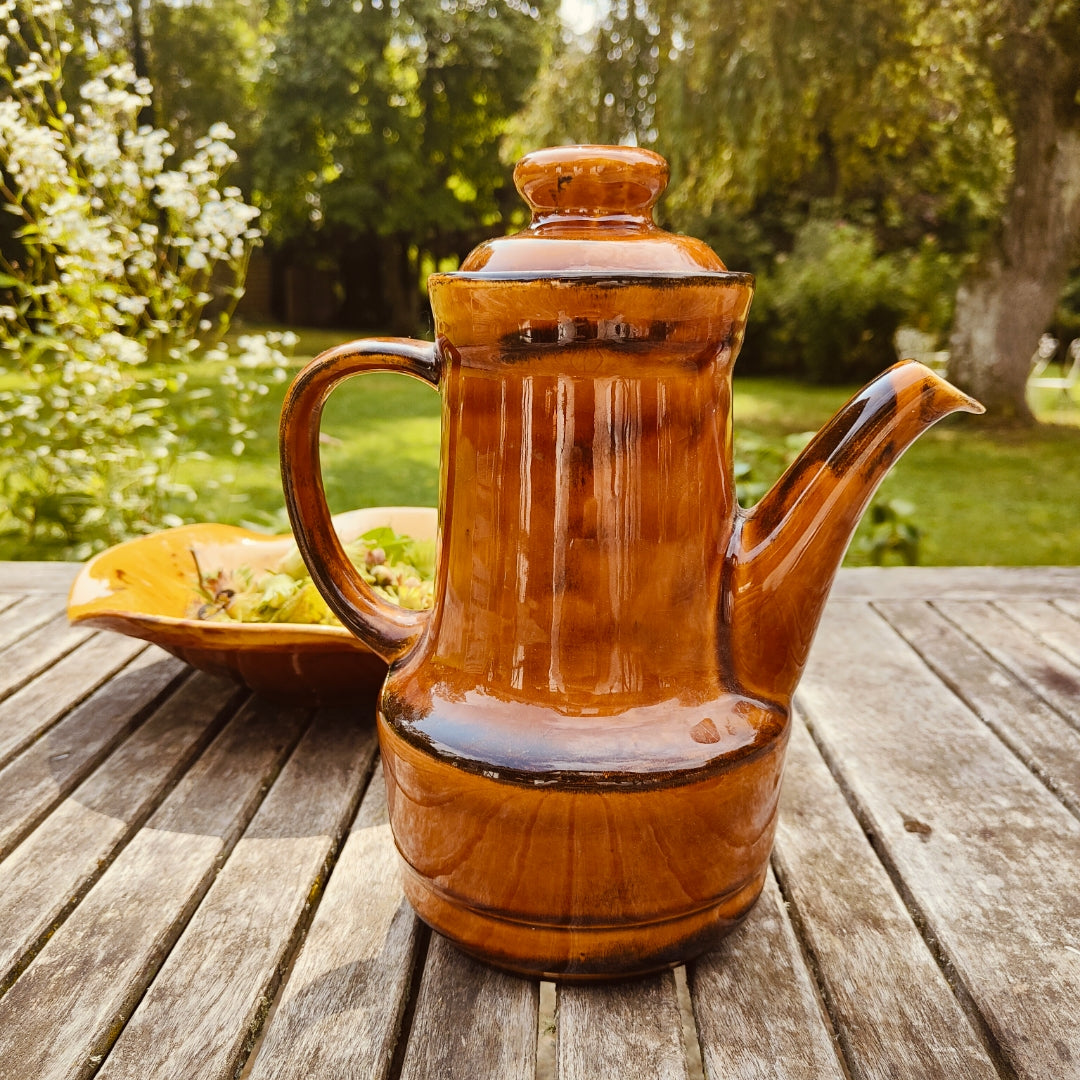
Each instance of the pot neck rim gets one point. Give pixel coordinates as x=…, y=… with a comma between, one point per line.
x=599, y=277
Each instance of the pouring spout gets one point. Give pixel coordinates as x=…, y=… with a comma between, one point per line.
x=786, y=550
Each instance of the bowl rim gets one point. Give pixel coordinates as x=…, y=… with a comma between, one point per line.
x=99, y=612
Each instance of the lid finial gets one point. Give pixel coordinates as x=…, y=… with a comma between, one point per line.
x=591, y=181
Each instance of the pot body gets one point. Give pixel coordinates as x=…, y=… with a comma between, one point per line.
x=575, y=782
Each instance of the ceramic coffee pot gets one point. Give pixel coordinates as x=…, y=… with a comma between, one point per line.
x=583, y=739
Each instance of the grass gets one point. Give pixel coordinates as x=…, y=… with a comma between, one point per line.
x=983, y=496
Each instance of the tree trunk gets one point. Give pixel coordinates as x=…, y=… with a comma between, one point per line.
x=1008, y=300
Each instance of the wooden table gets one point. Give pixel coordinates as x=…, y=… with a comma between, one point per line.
x=196, y=884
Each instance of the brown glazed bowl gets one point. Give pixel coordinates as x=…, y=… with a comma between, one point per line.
x=146, y=587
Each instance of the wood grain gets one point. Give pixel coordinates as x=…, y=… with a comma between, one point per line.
x=1048, y=673
x=757, y=1009
x=66, y=1009
x=27, y=713
x=894, y=1011
x=1050, y=624
x=7, y=599
x=50, y=767
x=198, y=1017
x=26, y=616
x=340, y=1008
x=985, y=852
x=53, y=867
x=1047, y=743
x=471, y=1020
x=29, y=576
x=620, y=1029
x=39, y=650
x=956, y=582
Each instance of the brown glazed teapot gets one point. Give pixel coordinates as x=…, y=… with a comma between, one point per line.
x=583, y=740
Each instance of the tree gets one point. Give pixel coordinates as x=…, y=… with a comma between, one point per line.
x=1031, y=50
x=382, y=130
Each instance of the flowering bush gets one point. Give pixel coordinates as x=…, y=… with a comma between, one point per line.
x=122, y=253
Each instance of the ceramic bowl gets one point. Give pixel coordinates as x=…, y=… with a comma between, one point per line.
x=145, y=588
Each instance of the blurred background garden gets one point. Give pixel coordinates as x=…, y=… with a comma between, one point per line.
x=199, y=195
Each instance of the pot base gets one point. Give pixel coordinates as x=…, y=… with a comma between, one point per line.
x=579, y=953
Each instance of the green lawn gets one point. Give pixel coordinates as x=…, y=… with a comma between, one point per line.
x=982, y=496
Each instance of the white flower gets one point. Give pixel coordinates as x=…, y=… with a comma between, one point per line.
x=132, y=305
x=196, y=260
x=124, y=349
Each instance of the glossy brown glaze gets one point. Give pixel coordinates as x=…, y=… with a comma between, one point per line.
x=583, y=744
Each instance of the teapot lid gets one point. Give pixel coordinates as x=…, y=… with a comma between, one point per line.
x=592, y=213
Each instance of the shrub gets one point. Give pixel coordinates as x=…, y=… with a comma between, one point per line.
x=120, y=251
x=836, y=304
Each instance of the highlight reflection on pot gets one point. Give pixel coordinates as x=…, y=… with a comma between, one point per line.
x=583, y=740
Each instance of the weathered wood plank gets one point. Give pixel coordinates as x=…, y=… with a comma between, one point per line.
x=894, y=1011
x=1047, y=743
x=37, y=651
x=757, y=1009
x=471, y=1020
x=50, y=767
x=70, y=1004
x=1048, y=673
x=1049, y=624
x=339, y=1011
x=621, y=1029
x=198, y=1017
x=26, y=616
x=987, y=855
x=1070, y=607
x=7, y=599
x=29, y=576
x=44, y=876
x=36, y=707
x=956, y=582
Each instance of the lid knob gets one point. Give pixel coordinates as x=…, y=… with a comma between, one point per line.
x=591, y=181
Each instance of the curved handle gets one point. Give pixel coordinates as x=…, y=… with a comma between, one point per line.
x=388, y=630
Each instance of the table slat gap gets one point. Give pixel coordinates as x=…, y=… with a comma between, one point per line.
x=43, y=774
x=29, y=713
x=695, y=1065
x=849, y=918
x=250, y=922
x=69, y=1006
x=49, y=874
x=1047, y=743
x=395, y=1063
x=545, y=1031
x=963, y=829
x=1047, y=674
x=347, y=1000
